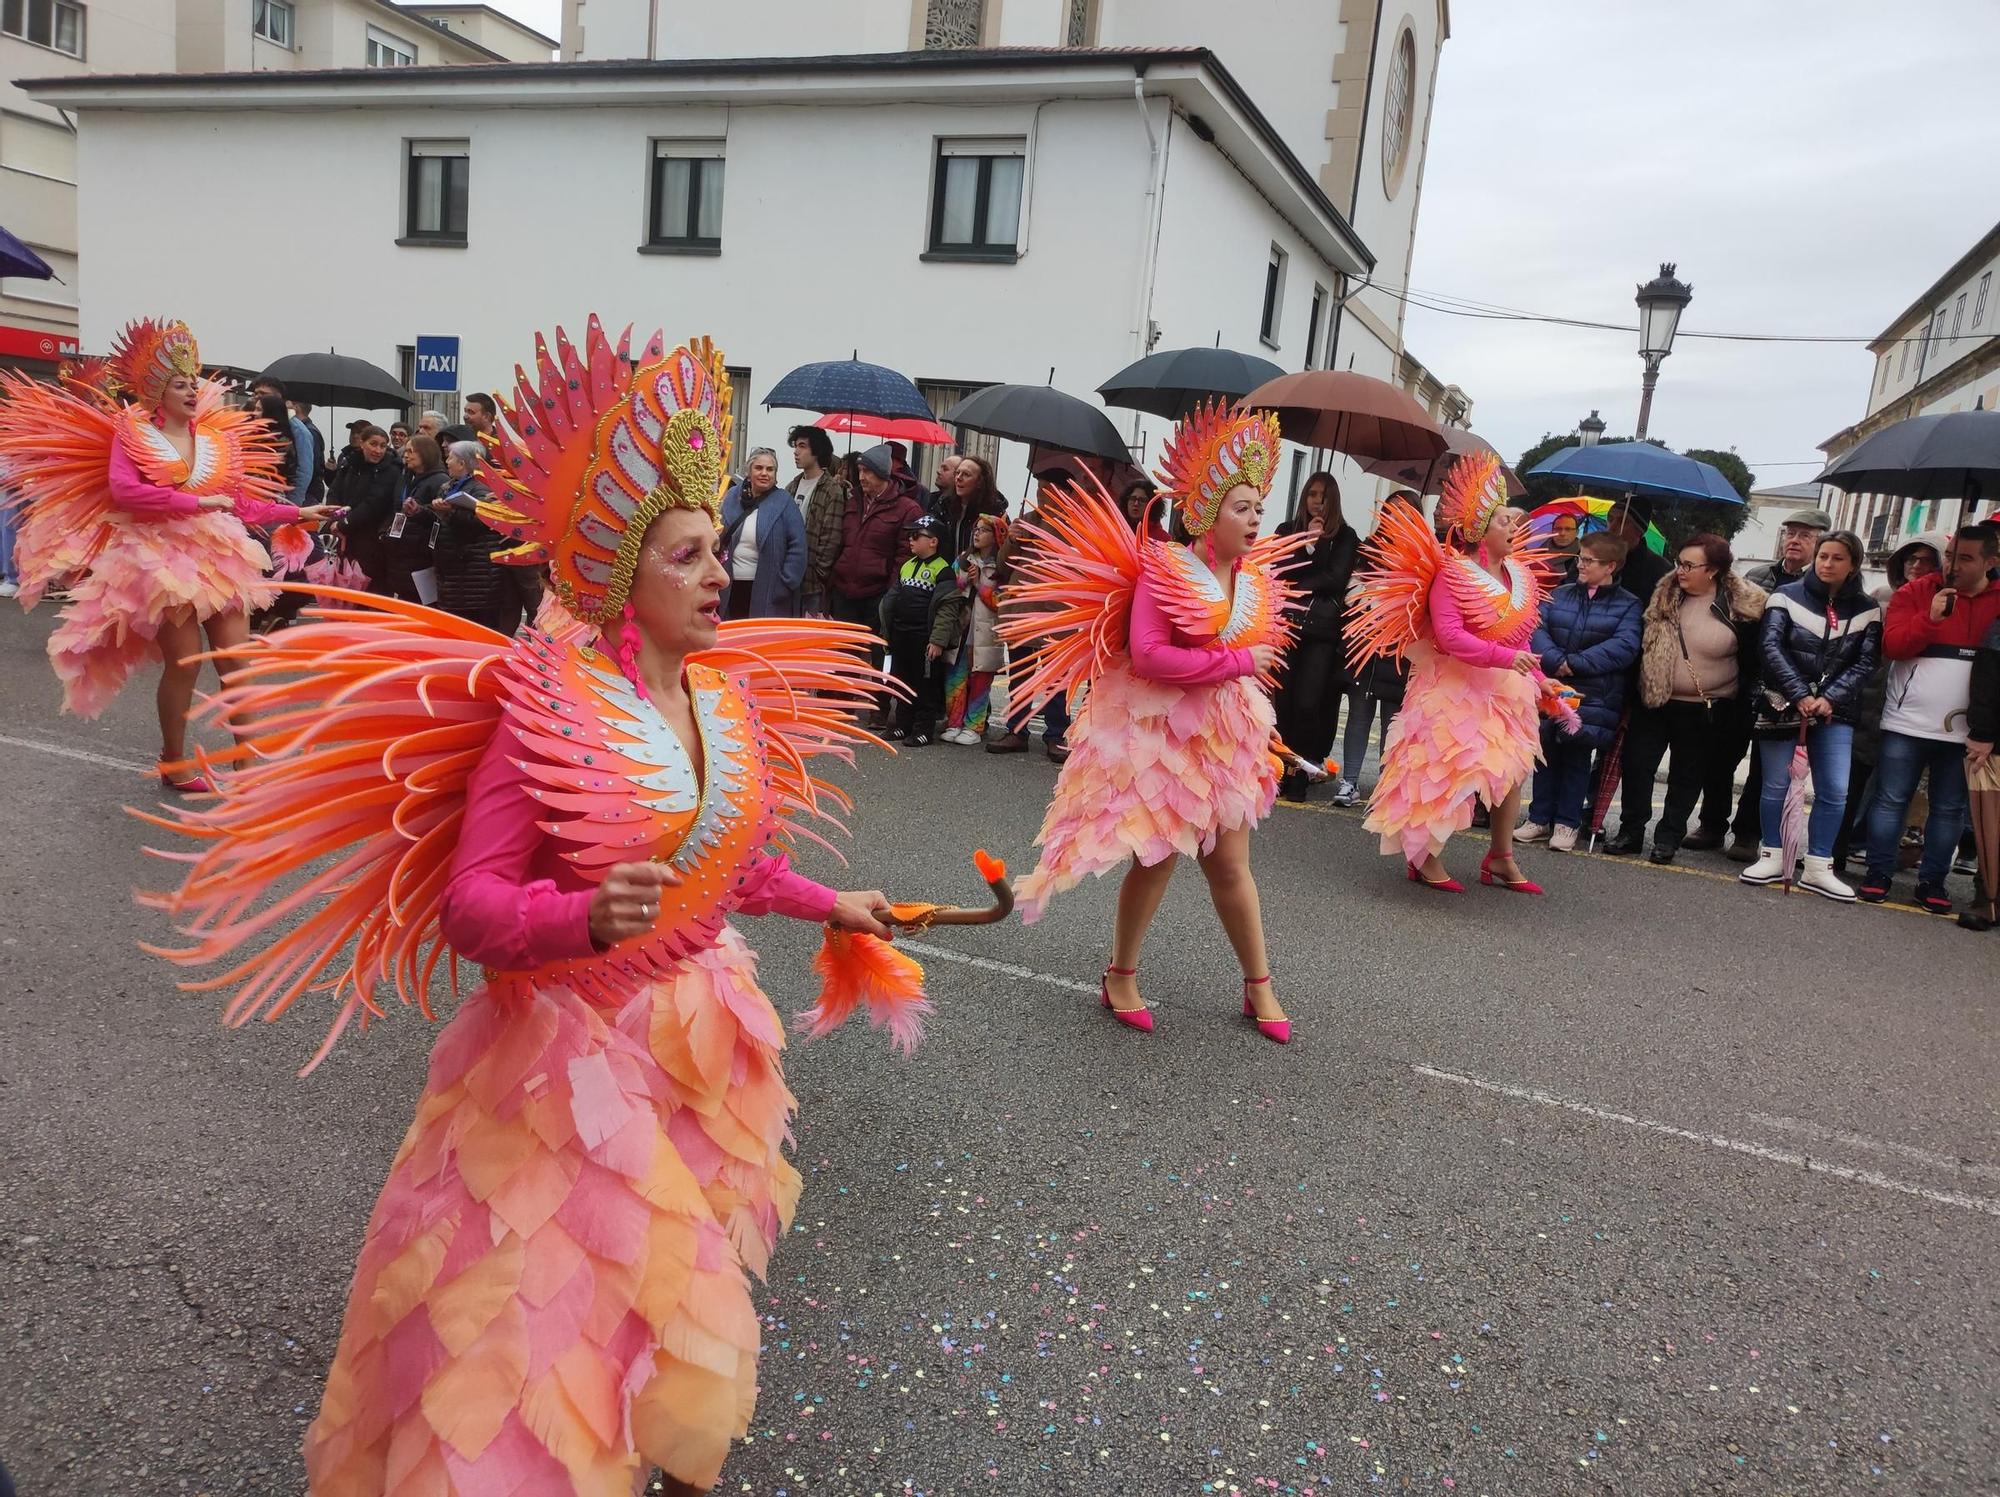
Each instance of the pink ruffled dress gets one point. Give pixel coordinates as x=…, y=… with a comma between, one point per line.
x=1469, y=727
x=1172, y=744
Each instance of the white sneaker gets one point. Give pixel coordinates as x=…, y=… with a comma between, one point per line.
x=963, y=735
x=1563, y=839
x=8, y=590
x=1531, y=831
x=1821, y=879
x=1768, y=869
x=1345, y=794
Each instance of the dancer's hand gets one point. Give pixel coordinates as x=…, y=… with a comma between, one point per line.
x=860, y=910
x=1266, y=658
x=216, y=503
x=628, y=901
x=319, y=511
x=1524, y=662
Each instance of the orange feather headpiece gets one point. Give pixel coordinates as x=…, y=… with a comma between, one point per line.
x=1473, y=492
x=598, y=448
x=147, y=355
x=1210, y=453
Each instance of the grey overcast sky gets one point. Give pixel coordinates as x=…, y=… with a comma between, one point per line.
x=1811, y=165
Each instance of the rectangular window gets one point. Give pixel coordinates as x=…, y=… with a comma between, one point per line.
x=1979, y=306
x=1958, y=314
x=386, y=50
x=1903, y=364
x=440, y=174
x=1312, y=327
x=1274, y=298
x=272, y=20
x=941, y=397
x=686, y=193
x=739, y=411
x=976, y=199
x=54, y=24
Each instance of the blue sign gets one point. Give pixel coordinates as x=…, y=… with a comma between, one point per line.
x=437, y=364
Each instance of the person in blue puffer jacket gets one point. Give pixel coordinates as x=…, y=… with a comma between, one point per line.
x=1588, y=638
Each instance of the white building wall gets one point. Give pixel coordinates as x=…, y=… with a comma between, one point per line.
x=1281, y=51
x=794, y=282
x=1385, y=212
x=1920, y=352
x=489, y=29
x=617, y=29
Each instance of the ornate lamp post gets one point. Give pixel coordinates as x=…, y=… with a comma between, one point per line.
x=1661, y=302
x=1590, y=430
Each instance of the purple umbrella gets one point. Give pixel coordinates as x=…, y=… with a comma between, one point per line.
x=16, y=259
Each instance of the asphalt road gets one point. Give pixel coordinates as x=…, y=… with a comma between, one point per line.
x=1655, y=1185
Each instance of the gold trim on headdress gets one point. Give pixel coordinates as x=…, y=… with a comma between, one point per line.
x=1211, y=452
x=599, y=448
x=1473, y=493
x=147, y=355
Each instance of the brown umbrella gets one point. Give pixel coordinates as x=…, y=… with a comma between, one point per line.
x=1352, y=413
x=1426, y=475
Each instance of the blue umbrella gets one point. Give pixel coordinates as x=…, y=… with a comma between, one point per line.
x=1639, y=468
x=17, y=259
x=849, y=386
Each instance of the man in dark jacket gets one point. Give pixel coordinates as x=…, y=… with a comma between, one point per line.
x=1588, y=638
x=1643, y=569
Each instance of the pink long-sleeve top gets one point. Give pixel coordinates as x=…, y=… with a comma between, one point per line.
x=1449, y=629
x=1161, y=652
x=131, y=492
x=513, y=903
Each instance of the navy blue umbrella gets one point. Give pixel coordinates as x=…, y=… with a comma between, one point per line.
x=1639, y=468
x=852, y=387
x=17, y=259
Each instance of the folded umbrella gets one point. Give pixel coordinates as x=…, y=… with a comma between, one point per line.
x=1610, y=770
x=1792, y=824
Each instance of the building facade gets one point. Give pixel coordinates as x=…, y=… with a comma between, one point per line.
x=80, y=38
x=1941, y=354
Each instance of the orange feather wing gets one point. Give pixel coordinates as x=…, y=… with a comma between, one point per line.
x=1387, y=606
x=1068, y=607
x=56, y=450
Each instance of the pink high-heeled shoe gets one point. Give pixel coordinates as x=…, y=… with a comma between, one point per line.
x=1279, y=1030
x=1514, y=886
x=1446, y=885
x=1136, y=1018
x=194, y=784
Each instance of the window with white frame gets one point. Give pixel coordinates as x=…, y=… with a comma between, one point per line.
x=387, y=50
x=686, y=195
x=439, y=178
x=1274, y=298
x=55, y=24
x=272, y=20
x=976, y=199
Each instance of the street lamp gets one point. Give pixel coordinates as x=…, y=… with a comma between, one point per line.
x=1590, y=430
x=1661, y=302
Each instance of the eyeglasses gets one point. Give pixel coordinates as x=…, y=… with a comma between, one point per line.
x=1691, y=566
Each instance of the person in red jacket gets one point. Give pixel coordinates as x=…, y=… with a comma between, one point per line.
x=871, y=544
x=1932, y=631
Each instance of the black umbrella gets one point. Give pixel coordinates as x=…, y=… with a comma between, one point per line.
x=849, y=387
x=335, y=379
x=1040, y=414
x=1954, y=455
x=1173, y=383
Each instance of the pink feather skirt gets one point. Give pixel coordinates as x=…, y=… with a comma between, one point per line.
x=147, y=572
x=1154, y=772
x=553, y=1294
x=1465, y=733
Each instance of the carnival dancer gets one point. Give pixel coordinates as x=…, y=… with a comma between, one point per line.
x=553, y=1293
x=138, y=475
x=1468, y=730
x=1178, y=644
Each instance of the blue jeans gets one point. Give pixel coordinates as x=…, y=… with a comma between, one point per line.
x=1055, y=721
x=1562, y=780
x=1829, y=750
x=1899, y=763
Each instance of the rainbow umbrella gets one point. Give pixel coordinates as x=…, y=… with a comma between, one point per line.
x=1590, y=514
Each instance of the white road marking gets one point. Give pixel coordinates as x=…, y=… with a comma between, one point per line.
x=1877, y=1145
x=1005, y=969
x=1717, y=1141
x=62, y=751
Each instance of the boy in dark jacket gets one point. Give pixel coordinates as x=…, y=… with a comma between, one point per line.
x=922, y=612
x=1588, y=638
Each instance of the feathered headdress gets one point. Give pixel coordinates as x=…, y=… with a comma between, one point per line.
x=1473, y=492
x=596, y=448
x=1210, y=453
x=147, y=355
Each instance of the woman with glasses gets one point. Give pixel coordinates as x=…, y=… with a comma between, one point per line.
x=1700, y=635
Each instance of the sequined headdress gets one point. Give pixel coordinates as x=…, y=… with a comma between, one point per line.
x=1473, y=492
x=1210, y=453
x=147, y=355
x=596, y=448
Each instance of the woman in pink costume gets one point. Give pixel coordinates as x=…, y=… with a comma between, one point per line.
x=148, y=499
x=1468, y=730
x=553, y=1294
x=1171, y=752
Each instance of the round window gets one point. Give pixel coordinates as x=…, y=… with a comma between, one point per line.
x=1399, y=107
